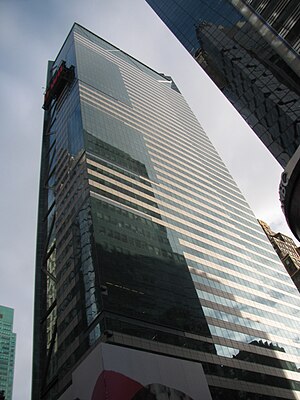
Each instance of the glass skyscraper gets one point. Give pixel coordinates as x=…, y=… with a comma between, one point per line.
x=146, y=248
x=7, y=351
x=250, y=49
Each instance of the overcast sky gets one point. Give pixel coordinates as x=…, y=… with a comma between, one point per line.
x=31, y=32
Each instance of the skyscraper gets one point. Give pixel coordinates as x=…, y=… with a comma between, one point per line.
x=151, y=269
x=7, y=351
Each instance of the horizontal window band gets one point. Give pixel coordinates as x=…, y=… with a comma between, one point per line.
x=226, y=258
x=173, y=208
x=230, y=252
x=168, y=168
x=161, y=188
x=251, y=348
x=197, y=259
x=115, y=108
x=245, y=316
x=161, y=222
x=214, y=200
x=133, y=121
x=283, y=340
x=247, y=302
x=193, y=170
x=258, y=283
x=172, y=217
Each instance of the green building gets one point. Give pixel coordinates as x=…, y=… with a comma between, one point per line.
x=7, y=351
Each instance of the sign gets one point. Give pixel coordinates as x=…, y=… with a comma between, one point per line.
x=118, y=373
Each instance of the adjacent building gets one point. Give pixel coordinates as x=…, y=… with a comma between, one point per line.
x=153, y=276
x=7, y=352
x=250, y=49
x=287, y=250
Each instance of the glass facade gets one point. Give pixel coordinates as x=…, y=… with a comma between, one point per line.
x=7, y=351
x=144, y=239
x=250, y=49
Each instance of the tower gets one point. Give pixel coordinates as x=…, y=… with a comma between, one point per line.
x=152, y=273
x=7, y=351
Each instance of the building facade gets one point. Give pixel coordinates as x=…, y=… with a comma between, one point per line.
x=7, y=351
x=287, y=250
x=151, y=268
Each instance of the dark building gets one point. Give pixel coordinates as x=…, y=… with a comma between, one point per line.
x=287, y=250
x=152, y=271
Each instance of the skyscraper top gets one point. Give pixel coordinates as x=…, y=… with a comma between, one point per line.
x=110, y=47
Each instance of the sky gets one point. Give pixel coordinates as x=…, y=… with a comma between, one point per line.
x=31, y=33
